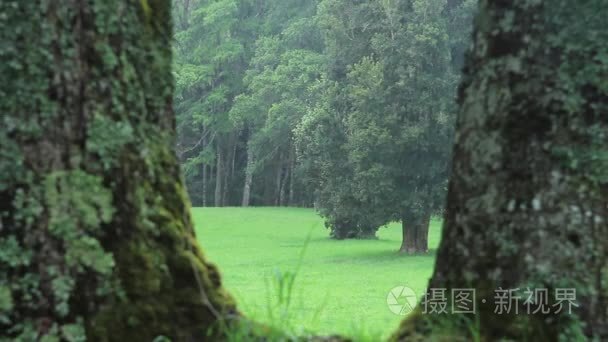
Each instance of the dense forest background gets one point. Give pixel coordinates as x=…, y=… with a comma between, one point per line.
x=345, y=106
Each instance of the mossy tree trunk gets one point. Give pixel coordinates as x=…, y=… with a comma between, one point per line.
x=527, y=201
x=96, y=238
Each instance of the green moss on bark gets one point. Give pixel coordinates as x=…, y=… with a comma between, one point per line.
x=96, y=239
x=527, y=198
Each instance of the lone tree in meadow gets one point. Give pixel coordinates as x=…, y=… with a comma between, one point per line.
x=96, y=239
x=347, y=29
x=400, y=119
x=527, y=201
x=320, y=141
x=377, y=144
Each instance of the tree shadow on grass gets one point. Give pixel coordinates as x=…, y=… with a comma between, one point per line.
x=381, y=256
x=329, y=239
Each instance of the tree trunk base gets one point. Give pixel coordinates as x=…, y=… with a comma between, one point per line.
x=407, y=250
x=415, y=234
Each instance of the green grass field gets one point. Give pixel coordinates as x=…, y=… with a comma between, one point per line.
x=341, y=286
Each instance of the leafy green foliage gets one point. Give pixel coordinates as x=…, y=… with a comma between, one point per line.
x=381, y=139
x=242, y=70
x=401, y=116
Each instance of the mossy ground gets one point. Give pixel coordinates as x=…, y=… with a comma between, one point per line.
x=341, y=287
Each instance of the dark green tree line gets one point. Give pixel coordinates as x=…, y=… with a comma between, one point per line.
x=234, y=62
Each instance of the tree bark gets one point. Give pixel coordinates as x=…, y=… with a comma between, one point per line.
x=415, y=229
x=409, y=230
x=204, y=175
x=205, y=167
x=422, y=235
x=218, y=176
x=233, y=162
x=292, y=168
x=282, y=186
x=229, y=172
x=248, y=177
x=528, y=193
x=225, y=185
x=96, y=236
x=279, y=175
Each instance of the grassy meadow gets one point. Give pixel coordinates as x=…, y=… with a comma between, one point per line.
x=339, y=287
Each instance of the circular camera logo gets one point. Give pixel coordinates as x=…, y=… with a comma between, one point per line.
x=401, y=300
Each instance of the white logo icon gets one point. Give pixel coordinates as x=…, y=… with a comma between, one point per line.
x=401, y=300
